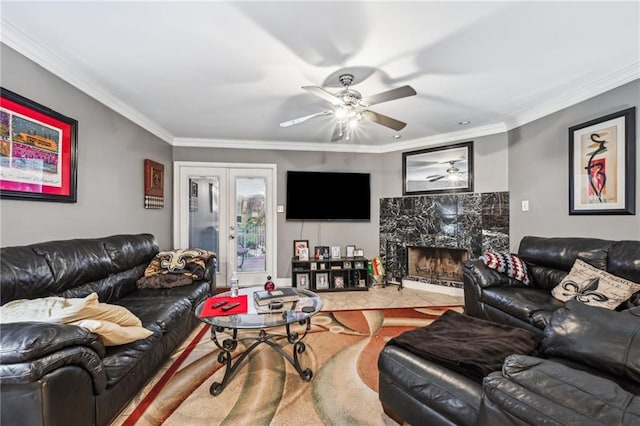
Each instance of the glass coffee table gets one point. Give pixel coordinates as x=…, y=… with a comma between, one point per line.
x=261, y=318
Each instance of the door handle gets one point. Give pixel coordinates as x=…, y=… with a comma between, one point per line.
x=231, y=236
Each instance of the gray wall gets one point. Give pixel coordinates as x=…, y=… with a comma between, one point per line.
x=538, y=172
x=363, y=235
x=111, y=153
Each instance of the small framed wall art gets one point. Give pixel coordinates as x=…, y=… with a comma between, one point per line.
x=350, y=249
x=153, y=185
x=38, y=151
x=602, y=165
x=335, y=252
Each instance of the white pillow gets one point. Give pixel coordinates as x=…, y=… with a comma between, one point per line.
x=113, y=334
x=594, y=287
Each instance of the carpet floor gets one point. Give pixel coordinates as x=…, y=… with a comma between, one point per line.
x=341, y=349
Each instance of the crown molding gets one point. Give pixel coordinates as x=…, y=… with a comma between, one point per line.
x=577, y=95
x=31, y=49
x=42, y=56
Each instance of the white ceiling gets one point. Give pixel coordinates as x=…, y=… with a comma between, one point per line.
x=227, y=73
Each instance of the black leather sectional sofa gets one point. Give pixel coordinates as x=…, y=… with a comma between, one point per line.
x=60, y=374
x=587, y=369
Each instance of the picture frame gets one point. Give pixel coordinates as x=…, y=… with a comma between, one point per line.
x=321, y=252
x=299, y=244
x=313, y=266
x=358, y=265
x=338, y=281
x=38, y=151
x=358, y=253
x=336, y=252
x=346, y=265
x=303, y=254
x=439, y=170
x=302, y=280
x=349, y=250
x=322, y=281
x=153, y=184
x=602, y=164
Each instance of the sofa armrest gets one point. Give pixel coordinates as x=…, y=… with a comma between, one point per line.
x=25, y=341
x=537, y=391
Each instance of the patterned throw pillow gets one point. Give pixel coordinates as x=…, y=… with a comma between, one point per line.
x=188, y=262
x=594, y=287
x=508, y=264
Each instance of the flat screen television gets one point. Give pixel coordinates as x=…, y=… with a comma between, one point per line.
x=336, y=196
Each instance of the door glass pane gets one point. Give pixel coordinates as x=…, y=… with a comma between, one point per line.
x=251, y=223
x=204, y=198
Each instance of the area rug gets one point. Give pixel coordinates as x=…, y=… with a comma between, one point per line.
x=341, y=349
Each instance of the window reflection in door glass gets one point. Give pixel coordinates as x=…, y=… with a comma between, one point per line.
x=251, y=223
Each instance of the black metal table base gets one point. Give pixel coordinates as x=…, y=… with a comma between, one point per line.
x=229, y=345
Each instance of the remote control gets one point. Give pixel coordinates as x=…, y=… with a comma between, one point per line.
x=217, y=305
x=231, y=306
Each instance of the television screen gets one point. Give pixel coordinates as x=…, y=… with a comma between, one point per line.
x=328, y=196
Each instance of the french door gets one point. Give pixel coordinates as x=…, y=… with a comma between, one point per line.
x=228, y=209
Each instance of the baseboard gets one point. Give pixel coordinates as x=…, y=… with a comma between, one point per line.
x=416, y=285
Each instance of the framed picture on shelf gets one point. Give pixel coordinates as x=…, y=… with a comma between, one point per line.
x=302, y=280
x=323, y=265
x=602, y=165
x=358, y=265
x=335, y=252
x=303, y=254
x=38, y=151
x=299, y=244
x=346, y=265
x=313, y=266
x=338, y=282
x=438, y=170
x=322, y=281
x=350, y=249
x=358, y=253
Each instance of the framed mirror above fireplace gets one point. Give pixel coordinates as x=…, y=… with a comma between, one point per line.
x=439, y=170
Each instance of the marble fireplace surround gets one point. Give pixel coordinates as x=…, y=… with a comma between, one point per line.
x=475, y=222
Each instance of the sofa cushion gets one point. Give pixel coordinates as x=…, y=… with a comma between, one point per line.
x=113, y=334
x=164, y=311
x=594, y=287
x=508, y=264
x=603, y=339
x=538, y=391
x=524, y=303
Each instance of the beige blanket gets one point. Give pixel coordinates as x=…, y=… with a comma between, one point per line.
x=116, y=325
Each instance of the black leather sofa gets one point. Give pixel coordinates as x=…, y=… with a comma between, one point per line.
x=60, y=374
x=494, y=296
x=587, y=370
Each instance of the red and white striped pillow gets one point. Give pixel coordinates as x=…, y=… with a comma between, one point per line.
x=508, y=264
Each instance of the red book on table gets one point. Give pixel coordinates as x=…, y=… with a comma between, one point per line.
x=209, y=311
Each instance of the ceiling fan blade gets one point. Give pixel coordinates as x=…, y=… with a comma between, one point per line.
x=338, y=132
x=400, y=92
x=435, y=179
x=321, y=93
x=303, y=119
x=384, y=120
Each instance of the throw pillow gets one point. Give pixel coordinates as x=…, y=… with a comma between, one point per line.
x=188, y=262
x=508, y=264
x=113, y=334
x=594, y=287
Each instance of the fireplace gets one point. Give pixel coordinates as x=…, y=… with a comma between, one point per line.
x=472, y=223
x=436, y=265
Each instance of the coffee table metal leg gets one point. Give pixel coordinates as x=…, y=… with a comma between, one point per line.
x=229, y=345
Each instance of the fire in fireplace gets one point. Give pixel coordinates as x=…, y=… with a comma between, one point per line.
x=436, y=265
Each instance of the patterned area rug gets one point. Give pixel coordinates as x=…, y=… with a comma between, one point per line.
x=341, y=349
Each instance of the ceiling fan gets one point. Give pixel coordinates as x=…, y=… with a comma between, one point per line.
x=350, y=107
x=452, y=173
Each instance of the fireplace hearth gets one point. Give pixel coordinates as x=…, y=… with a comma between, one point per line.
x=436, y=265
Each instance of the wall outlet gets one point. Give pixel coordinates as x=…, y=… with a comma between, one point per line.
x=525, y=205
x=280, y=208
